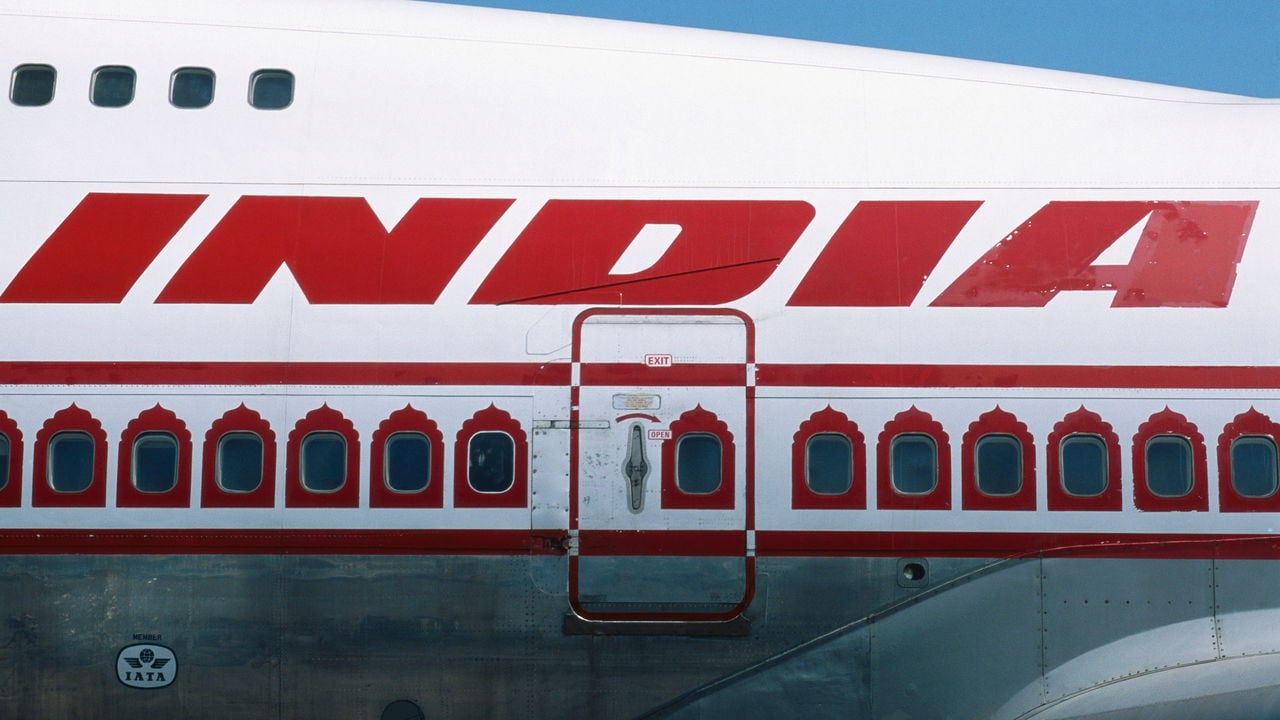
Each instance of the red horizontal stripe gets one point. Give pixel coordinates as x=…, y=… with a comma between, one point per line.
x=232, y=373
x=1013, y=376
x=1000, y=545
x=705, y=374
x=679, y=375
x=687, y=543
x=730, y=543
x=282, y=542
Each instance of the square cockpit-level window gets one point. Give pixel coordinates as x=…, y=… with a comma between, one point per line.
x=112, y=86
x=191, y=87
x=32, y=85
x=271, y=89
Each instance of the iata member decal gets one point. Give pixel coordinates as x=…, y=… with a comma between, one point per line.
x=146, y=666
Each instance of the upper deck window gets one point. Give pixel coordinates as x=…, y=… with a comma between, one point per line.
x=914, y=469
x=191, y=87
x=829, y=464
x=271, y=89
x=998, y=468
x=239, y=462
x=155, y=462
x=112, y=86
x=1253, y=466
x=1169, y=466
x=407, y=462
x=324, y=462
x=491, y=462
x=1083, y=465
x=71, y=462
x=32, y=85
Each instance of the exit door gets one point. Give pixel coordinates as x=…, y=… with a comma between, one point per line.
x=660, y=467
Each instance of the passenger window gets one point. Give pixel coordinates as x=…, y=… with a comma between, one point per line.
x=155, y=462
x=271, y=89
x=407, y=462
x=32, y=85
x=191, y=87
x=828, y=466
x=491, y=462
x=112, y=86
x=70, y=462
x=1253, y=466
x=998, y=464
x=324, y=462
x=1169, y=466
x=1083, y=465
x=239, y=463
x=698, y=463
x=913, y=464
x=4, y=460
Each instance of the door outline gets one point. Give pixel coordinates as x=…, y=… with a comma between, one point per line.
x=723, y=539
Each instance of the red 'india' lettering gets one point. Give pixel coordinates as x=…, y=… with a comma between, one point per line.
x=882, y=253
x=101, y=249
x=725, y=249
x=336, y=248
x=1186, y=257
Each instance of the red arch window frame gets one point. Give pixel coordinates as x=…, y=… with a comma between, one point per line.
x=70, y=419
x=699, y=421
x=913, y=421
x=322, y=419
x=11, y=493
x=1084, y=422
x=411, y=420
x=240, y=419
x=1250, y=422
x=823, y=422
x=997, y=422
x=161, y=420
x=491, y=419
x=1168, y=422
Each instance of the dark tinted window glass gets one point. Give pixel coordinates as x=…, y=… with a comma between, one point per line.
x=324, y=461
x=698, y=463
x=112, y=86
x=70, y=462
x=32, y=85
x=407, y=464
x=155, y=462
x=271, y=89
x=4, y=460
x=998, y=464
x=1169, y=466
x=191, y=87
x=1253, y=466
x=491, y=462
x=1083, y=465
x=828, y=464
x=914, y=464
x=239, y=462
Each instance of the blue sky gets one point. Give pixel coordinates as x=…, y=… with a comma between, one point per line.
x=1224, y=45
